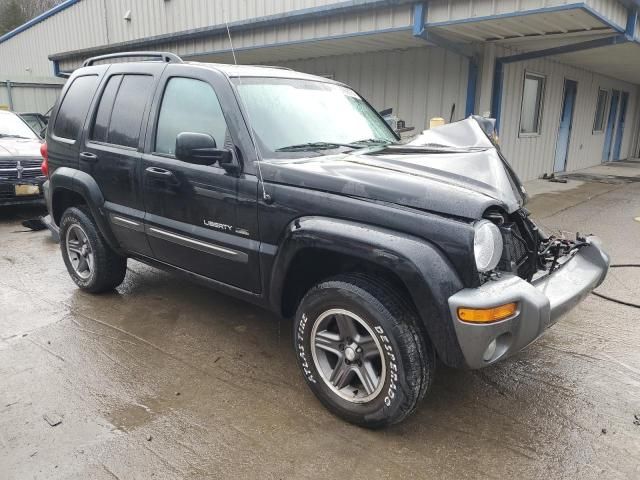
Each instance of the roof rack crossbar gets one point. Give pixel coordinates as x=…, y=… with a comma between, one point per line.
x=163, y=56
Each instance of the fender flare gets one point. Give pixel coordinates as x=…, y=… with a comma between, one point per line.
x=80, y=182
x=425, y=271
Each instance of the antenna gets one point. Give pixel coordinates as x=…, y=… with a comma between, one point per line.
x=265, y=196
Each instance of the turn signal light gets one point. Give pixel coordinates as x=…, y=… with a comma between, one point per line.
x=487, y=315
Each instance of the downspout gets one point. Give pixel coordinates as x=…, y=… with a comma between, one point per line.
x=9, y=95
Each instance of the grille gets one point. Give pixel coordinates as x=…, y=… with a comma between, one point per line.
x=29, y=169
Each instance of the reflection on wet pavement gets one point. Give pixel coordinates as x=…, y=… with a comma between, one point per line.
x=168, y=379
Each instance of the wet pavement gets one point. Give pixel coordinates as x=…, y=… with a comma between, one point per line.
x=166, y=379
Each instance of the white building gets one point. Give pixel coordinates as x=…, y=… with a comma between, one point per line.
x=560, y=76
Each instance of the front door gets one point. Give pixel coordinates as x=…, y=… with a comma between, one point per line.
x=617, y=146
x=566, y=121
x=112, y=148
x=611, y=123
x=202, y=219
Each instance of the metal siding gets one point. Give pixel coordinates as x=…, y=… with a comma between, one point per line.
x=533, y=156
x=451, y=10
x=419, y=83
x=30, y=98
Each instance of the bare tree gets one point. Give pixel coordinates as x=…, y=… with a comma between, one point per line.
x=14, y=13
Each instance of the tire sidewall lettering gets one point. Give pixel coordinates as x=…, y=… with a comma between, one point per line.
x=302, y=354
x=390, y=394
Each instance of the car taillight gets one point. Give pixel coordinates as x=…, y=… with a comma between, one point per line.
x=45, y=159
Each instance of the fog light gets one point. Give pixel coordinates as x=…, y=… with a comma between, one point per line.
x=490, y=351
x=487, y=315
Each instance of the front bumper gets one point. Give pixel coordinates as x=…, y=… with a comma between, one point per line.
x=540, y=304
x=8, y=196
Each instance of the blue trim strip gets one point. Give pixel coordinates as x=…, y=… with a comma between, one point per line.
x=472, y=82
x=496, y=94
x=524, y=13
x=421, y=30
x=632, y=21
x=419, y=19
x=38, y=19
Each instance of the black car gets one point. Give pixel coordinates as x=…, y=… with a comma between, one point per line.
x=289, y=191
x=21, y=178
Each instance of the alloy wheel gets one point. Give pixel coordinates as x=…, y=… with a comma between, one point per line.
x=79, y=251
x=348, y=355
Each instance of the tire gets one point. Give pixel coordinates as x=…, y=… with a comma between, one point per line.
x=106, y=269
x=381, y=390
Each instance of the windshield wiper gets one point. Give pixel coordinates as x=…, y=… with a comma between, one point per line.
x=304, y=147
x=372, y=141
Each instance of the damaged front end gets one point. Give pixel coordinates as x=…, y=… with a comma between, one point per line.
x=528, y=251
x=537, y=279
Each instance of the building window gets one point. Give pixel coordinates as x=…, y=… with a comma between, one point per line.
x=532, y=98
x=601, y=107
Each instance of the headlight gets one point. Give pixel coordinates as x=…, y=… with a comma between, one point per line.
x=487, y=245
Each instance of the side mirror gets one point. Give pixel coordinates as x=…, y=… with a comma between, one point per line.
x=201, y=149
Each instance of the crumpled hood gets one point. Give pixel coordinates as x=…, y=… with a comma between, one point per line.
x=19, y=147
x=461, y=183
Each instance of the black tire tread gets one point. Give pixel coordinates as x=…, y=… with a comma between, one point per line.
x=418, y=356
x=110, y=267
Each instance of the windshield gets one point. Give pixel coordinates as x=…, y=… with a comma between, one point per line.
x=14, y=127
x=291, y=115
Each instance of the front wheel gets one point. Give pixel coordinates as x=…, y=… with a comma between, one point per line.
x=361, y=352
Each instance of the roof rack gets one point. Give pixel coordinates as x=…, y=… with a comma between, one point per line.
x=162, y=56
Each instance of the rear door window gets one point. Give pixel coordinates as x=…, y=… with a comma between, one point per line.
x=119, y=116
x=74, y=107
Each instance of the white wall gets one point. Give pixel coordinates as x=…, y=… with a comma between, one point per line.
x=419, y=83
x=533, y=156
x=30, y=98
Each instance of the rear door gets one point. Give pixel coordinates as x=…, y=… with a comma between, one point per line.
x=200, y=218
x=112, y=148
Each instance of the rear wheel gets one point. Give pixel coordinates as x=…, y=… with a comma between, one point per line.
x=92, y=264
x=361, y=351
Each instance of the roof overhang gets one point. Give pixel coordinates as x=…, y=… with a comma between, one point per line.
x=527, y=24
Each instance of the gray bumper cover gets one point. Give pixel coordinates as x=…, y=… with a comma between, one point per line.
x=540, y=304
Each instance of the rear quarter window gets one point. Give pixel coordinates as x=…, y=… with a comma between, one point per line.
x=74, y=107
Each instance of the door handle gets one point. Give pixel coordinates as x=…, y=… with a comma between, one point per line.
x=159, y=172
x=89, y=157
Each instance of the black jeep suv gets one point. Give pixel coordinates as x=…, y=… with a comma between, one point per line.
x=291, y=192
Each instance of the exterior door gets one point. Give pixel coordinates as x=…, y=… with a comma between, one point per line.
x=617, y=146
x=112, y=148
x=566, y=122
x=611, y=123
x=199, y=218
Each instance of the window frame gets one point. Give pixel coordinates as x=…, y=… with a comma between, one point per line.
x=538, y=131
x=154, y=131
x=94, y=115
x=605, y=111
